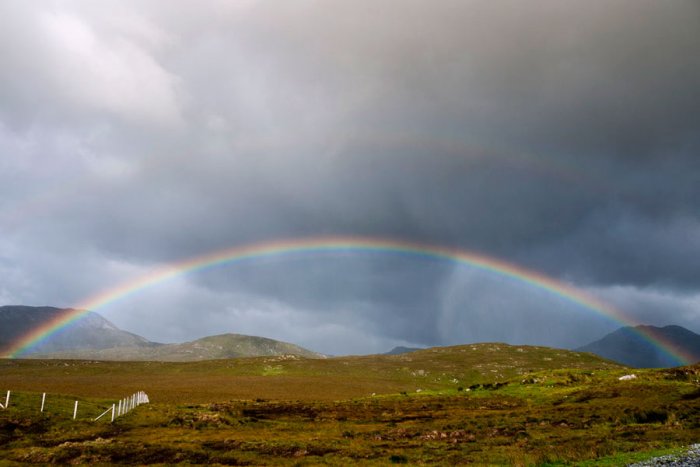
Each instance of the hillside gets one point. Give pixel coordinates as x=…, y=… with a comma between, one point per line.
x=207, y=348
x=292, y=377
x=629, y=347
x=92, y=337
x=90, y=332
x=401, y=350
x=479, y=404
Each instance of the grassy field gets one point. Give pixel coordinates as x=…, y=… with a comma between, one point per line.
x=487, y=403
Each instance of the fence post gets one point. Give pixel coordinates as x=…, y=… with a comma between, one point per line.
x=43, y=399
x=113, y=412
x=75, y=410
x=7, y=399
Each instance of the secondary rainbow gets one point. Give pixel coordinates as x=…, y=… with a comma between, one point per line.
x=335, y=245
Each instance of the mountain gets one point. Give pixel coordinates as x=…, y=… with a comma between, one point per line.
x=207, y=348
x=91, y=337
x=401, y=350
x=629, y=346
x=90, y=332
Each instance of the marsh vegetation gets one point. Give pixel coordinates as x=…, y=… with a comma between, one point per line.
x=489, y=403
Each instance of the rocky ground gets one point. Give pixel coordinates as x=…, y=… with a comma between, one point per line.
x=687, y=459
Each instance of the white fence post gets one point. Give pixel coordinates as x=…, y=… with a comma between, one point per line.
x=123, y=406
x=105, y=413
x=126, y=405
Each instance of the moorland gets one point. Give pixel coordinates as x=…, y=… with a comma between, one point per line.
x=481, y=403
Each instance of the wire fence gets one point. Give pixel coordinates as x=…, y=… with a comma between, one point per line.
x=64, y=406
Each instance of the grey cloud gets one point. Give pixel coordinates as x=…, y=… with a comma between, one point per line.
x=623, y=248
x=560, y=136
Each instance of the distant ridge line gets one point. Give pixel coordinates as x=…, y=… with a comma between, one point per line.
x=625, y=346
x=335, y=245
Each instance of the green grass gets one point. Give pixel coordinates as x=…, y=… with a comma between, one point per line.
x=626, y=458
x=437, y=369
x=487, y=404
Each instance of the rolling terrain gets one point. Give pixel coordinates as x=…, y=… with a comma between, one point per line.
x=478, y=403
x=293, y=377
x=206, y=348
x=485, y=403
x=92, y=337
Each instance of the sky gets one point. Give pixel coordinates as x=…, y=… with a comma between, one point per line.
x=559, y=136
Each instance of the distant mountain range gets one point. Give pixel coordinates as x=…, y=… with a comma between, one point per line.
x=628, y=346
x=93, y=337
x=91, y=331
x=207, y=348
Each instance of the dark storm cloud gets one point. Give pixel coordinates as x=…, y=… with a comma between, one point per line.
x=558, y=135
x=624, y=248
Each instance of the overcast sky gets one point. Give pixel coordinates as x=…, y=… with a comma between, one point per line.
x=560, y=136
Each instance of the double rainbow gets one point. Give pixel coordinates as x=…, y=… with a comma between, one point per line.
x=334, y=245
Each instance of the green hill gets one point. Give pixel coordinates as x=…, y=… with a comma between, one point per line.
x=207, y=348
x=292, y=377
x=471, y=404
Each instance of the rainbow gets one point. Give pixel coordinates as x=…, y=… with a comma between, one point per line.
x=334, y=245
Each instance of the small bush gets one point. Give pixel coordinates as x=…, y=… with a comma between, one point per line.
x=651, y=416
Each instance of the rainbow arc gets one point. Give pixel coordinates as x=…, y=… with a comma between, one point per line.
x=334, y=245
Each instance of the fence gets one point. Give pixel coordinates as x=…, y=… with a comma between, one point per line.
x=65, y=406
